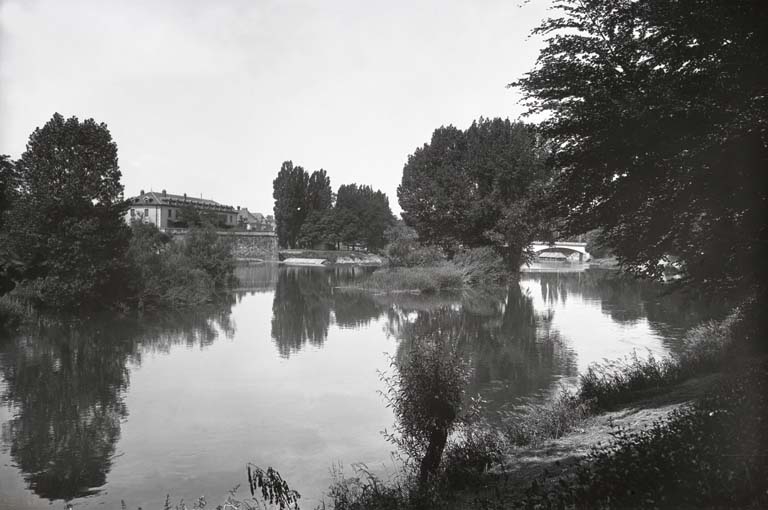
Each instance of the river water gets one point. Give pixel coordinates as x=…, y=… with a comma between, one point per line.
x=285, y=373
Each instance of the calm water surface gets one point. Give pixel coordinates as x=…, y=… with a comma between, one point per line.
x=285, y=373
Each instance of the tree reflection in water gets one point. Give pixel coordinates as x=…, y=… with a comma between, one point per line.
x=512, y=348
x=627, y=300
x=304, y=300
x=65, y=386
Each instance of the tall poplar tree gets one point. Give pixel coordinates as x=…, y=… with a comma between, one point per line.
x=289, y=191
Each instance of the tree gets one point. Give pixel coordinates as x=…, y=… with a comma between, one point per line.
x=67, y=223
x=657, y=113
x=289, y=192
x=10, y=266
x=477, y=187
x=362, y=216
x=319, y=195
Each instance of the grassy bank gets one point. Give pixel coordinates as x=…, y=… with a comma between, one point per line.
x=480, y=266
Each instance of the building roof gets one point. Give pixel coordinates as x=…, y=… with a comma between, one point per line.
x=249, y=217
x=163, y=198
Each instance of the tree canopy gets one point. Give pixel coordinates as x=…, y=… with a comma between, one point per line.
x=306, y=215
x=477, y=187
x=67, y=221
x=657, y=110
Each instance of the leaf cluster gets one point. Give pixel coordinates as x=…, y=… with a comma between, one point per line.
x=657, y=112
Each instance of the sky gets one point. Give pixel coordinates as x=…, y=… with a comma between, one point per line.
x=208, y=98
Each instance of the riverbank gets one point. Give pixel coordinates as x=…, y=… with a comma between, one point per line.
x=638, y=427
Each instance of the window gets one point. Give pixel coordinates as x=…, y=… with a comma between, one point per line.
x=146, y=213
x=133, y=213
x=170, y=213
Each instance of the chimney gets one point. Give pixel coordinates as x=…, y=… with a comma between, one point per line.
x=185, y=196
x=238, y=207
x=164, y=193
x=142, y=192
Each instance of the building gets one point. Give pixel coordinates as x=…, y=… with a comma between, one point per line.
x=256, y=222
x=168, y=211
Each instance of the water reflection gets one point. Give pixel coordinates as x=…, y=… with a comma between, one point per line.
x=303, y=302
x=625, y=300
x=65, y=387
x=511, y=346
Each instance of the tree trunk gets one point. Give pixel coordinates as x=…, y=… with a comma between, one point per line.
x=512, y=259
x=431, y=460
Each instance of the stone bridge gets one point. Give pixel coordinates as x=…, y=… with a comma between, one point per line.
x=567, y=248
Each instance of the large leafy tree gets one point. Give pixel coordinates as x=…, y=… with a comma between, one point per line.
x=658, y=112
x=362, y=215
x=477, y=187
x=67, y=223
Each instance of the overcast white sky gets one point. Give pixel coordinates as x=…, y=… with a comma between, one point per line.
x=210, y=97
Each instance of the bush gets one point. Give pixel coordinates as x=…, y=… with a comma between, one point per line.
x=403, y=248
x=426, y=393
x=549, y=420
x=176, y=274
x=481, y=265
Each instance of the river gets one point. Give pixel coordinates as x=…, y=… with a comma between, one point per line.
x=284, y=372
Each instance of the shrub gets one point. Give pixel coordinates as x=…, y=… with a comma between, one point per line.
x=481, y=265
x=166, y=273
x=403, y=248
x=426, y=393
x=549, y=420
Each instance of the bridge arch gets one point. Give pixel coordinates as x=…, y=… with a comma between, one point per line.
x=565, y=247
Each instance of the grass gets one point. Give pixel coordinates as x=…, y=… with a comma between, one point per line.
x=550, y=420
x=468, y=268
x=423, y=279
x=705, y=349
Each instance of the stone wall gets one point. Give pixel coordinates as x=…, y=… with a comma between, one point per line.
x=245, y=245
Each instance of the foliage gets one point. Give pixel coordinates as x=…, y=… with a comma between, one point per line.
x=657, y=112
x=550, y=420
x=595, y=247
x=404, y=249
x=710, y=455
x=211, y=253
x=705, y=349
x=166, y=273
x=272, y=488
x=289, y=190
x=426, y=392
x=66, y=225
x=425, y=279
x=480, y=265
x=306, y=216
x=477, y=187
x=364, y=216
